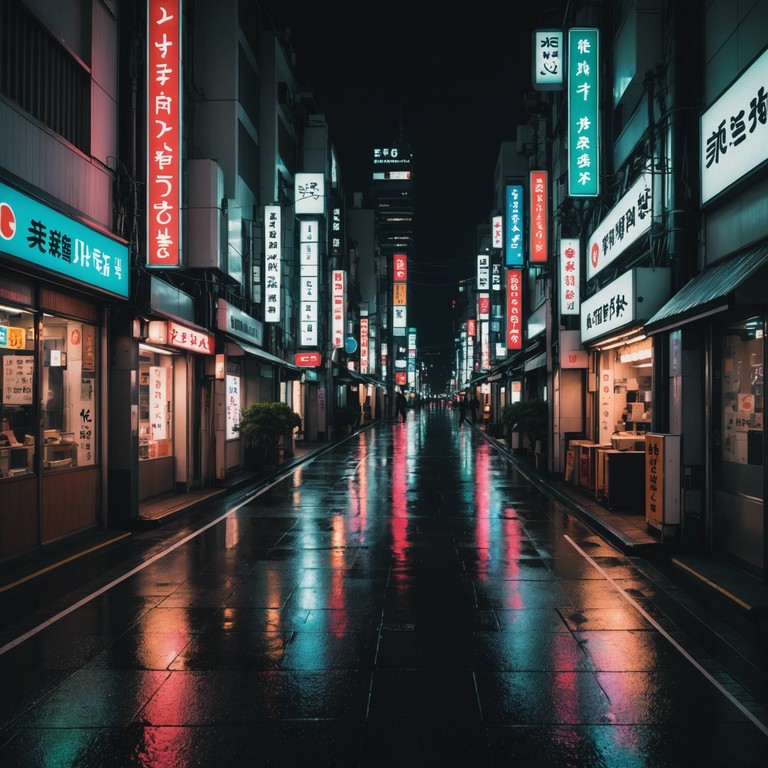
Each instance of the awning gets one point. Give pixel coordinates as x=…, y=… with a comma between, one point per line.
x=715, y=290
x=260, y=354
x=347, y=376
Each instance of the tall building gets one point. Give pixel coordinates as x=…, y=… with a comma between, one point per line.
x=392, y=183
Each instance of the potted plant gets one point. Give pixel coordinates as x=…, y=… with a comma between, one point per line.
x=268, y=430
x=527, y=418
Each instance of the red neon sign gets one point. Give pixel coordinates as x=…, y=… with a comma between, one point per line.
x=539, y=217
x=514, y=309
x=163, y=133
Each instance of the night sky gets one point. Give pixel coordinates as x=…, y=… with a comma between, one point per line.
x=453, y=77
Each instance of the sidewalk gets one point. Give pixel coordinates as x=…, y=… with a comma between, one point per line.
x=154, y=513
x=629, y=533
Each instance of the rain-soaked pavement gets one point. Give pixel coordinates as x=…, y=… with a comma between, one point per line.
x=405, y=599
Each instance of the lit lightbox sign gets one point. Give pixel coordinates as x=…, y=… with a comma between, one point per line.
x=400, y=267
x=734, y=131
x=583, y=114
x=514, y=309
x=309, y=273
x=364, y=361
x=547, y=60
x=174, y=334
x=309, y=193
x=164, y=83
x=237, y=323
x=515, y=256
x=272, y=263
x=625, y=223
x=39, y=235
x=497, y=228
x=338, y=307
x=483, y=272
x=539, y=217
x=570, y=275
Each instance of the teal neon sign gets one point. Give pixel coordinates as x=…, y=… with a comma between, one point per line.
x=583, y=113
x=40, y=235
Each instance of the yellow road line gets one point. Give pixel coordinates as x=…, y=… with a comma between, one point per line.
x=712, y=584
x=29, y=577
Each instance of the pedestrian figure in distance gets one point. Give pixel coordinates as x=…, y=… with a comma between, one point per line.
x=462, y=409
x=402, y=404
x=474, y=405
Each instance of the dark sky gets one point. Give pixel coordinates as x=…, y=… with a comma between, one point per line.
x=453, y=76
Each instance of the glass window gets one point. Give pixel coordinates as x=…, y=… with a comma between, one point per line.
x=17, y=375
x=155, y=404
x=69, y=393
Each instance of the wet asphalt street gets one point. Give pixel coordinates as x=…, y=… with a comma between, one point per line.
x=404, y=599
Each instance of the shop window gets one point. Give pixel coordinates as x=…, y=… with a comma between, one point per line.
x=69, y=394
x=155, y=404
x=743, y=395
x=17, y=375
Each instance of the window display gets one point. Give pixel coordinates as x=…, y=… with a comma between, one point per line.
x=155, y=404
x=743, y=397
x=17, y=375
x=69, y=393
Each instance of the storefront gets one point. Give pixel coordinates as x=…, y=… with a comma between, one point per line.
x=52, y=351
x=716, y=328
x=610, y=463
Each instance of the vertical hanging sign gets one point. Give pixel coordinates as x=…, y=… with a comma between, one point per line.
x=514, y=228
x=164, y=133
x=309, y=269
x=583, y=115
x=364, y=360
x=272, y=263
x=539, y=217
x=547, y=63
x=338, y=307
x=570, y=303
x=514, y=309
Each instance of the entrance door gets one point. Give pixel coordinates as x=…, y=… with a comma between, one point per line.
x=738, y=516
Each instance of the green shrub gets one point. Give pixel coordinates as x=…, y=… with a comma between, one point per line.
x=528, y=417
x=263, y=424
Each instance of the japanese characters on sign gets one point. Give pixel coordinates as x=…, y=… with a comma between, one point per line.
x=309, y=269
x=539, y=217
x=272, y=263
x=483, y=306
x=158, y=401
x=35, y=233
x=734, y=131
x=514, y=229
x=12, y=337
x=18, y=372
x=609, y=309
x=483, y=272
x=364, y=361
x=190, y=339
x=309, y=193
x=338, y=307
x=547, y=60
x=237, y=323
x=164, y=83
x=336, y=230
x=514, y=309
x=471, y=326
x=606, y=416
x=570, y=276
x=495, y=275
x=583, y=114
x=629, y=219
x=307, y=359
x=497, y=228
x=654, y=477
x=400, y=273
x=232, y=383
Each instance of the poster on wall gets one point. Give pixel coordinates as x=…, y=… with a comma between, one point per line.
x=607, y=417
x=18, y=371
x=86, y=431
x=233, y=406
x=158, y=398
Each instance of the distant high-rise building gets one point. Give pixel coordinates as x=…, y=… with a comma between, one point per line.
x=392, y=193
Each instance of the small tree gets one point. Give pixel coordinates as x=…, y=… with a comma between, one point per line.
x=529, y=417
x=263, y=424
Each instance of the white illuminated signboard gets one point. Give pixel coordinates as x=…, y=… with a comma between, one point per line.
x=309, y=193
x=547, y=60
x=734, y=131
x=272, y=263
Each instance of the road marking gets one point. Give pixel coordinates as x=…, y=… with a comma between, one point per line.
x=159, y=556
x=665, y=634
x=712, y=584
